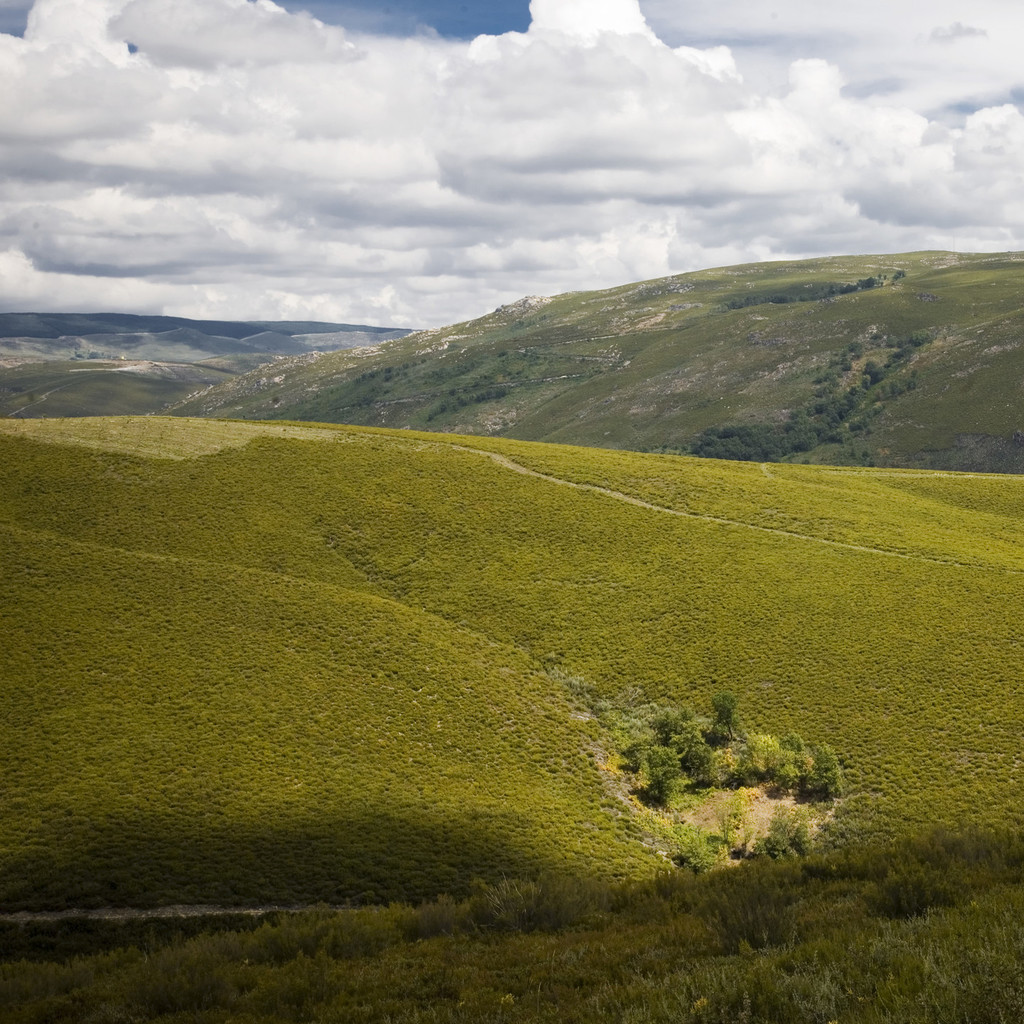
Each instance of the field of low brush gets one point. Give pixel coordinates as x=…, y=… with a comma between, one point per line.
x=260, y=662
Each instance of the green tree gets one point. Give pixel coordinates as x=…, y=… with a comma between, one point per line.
x=661, y=768
x=788, y=835
x=826, y=776
x=669, y=722
x=696, y=758
x=725, y=707
x=761, y=759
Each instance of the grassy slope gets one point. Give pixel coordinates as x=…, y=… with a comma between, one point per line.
x=307, y=666
x=650, y=366
x=208, y=701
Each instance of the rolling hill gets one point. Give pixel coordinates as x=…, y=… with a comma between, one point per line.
x=899, y=360
x=252, y=663
x=63, y=336
x=228, y=643
x=109, y=364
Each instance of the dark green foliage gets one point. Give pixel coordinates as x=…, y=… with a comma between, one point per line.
x=670, y=722
x=696, y=850
x=726, y=708
x=825, y=779
x=836, y=409
x=911, y=889
x=669, y=748
x=660, y=770
x=694, y=755
x=800, y=293
x=788, y=835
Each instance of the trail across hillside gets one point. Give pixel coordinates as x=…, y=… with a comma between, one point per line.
x=516, y=467
x=42, y=398
x=120, y=914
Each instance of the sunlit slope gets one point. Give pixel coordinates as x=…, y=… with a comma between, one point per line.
x=919, y=364
x=310, y=665
x=204, y=700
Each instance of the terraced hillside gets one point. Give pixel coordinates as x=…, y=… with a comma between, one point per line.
x=276, y=662
x=899, y=360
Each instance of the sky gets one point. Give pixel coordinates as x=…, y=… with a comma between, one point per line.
x=420, y=162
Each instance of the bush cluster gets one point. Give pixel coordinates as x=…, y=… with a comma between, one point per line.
x=837, y=408
x=803, y=293
x=671, y=747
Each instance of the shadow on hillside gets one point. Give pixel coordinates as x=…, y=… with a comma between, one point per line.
x=370, y=857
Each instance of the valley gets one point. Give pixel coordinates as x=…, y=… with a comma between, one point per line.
x=373, y=576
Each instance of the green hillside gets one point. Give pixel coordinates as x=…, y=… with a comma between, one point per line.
x=278, y=663
x=898, y=360
x=104, y=388
x=256, y=662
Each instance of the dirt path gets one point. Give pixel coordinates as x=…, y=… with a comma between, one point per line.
x=516, y=467
x=46, y=394
x=152, y=913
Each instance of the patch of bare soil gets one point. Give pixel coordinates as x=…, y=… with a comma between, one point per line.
x=745, y=814
x=756, y=806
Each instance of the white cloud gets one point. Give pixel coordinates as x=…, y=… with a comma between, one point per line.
x=589, y=19
x=252, y=33
x=249, y=162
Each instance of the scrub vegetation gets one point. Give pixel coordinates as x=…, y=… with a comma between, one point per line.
x=905, y=360
x=683, y=767
x=926, y=930
x=488, y=691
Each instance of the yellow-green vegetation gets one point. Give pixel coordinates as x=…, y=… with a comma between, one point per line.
x=907, y=359
x=317, y=665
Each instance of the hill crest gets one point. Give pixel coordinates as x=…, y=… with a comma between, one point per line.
x=899, y=360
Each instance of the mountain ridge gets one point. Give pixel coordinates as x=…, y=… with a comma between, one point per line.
x=171, y=338
x=900, y=360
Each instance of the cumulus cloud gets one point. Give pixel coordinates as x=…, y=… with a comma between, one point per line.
x=238, y=160
x=589, y=19
x=251, y=33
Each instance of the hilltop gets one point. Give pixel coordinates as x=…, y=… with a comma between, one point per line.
x=897, y=360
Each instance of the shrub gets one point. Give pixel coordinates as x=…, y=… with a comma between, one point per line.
x=788, y=835
x=825, y=779
x=661, y=773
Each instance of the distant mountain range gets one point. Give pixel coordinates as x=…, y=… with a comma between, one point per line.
x=897, y=360
x=63, y=336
